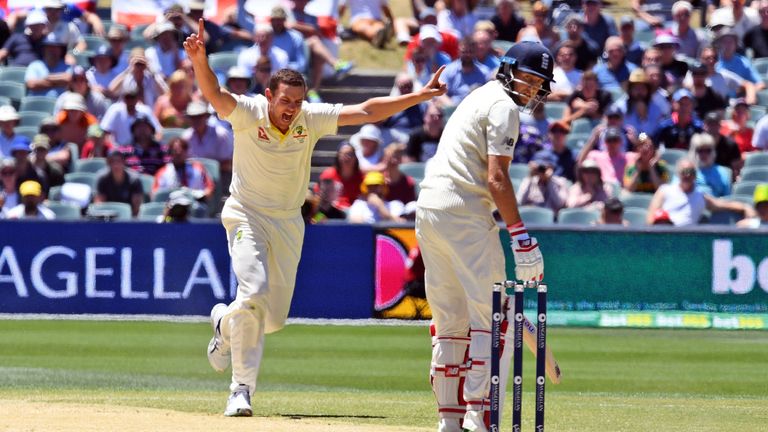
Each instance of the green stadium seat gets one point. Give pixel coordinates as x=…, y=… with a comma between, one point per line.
x=537, y=215
x=637, y=200
x=92, y=165
x=64, y=211
x=221, y=61
x=13, y=73
x=147, y=181
x=413, y=169
x=117, y=210
x=38, y=103
x=212, y=166
x=577, y=216
x=746, y=199
x=635, y=216
x=150, y=211
x=671, y=156
x=581, y=126
x=518, y=171
x=54, y=193
x=745, y=187
x=27, y=131
x=162, y=195
x=32, y=118
x=576, y=141
x=755, y=173
x=93, y=42
x=171, y=133
x=555, y=110
x=14, y=91
x=756, y=159
x=83, y=178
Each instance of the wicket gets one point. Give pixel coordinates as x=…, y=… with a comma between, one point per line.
x=517, y=290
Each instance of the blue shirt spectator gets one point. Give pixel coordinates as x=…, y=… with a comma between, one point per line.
x=597, y=25
x=46, y=77
x=727, y=42
x=289, y=40
x=610, y=78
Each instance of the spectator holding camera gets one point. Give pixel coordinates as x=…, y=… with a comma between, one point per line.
x=647, y=172
x=542, y=188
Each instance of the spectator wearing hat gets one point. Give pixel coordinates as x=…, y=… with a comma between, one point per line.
x=646, y=171
x=9, y=119
x=556, y=143
x=641, y=111
x=96, y=143
x=464, y=74
x=423, y=141
x=756, y=38
x=634, y=49
x=31, y=206
x=103, y=70
x=120, y=116
x=587, y=50
x=118, y=38
x=483, y=40
x=66, y=31
x=181, y=172
x=426, y=57
x=173, y=14
x=540, y=30
x=116, y=183
x=178, y=208
x=706, y=99
x=170, y=107
x=149, y=82
x=24, y=169
x=612, y=161
x=239, y=81
x=371, y=207
x=613, y=72
x=289, y=40
x=685, y=203
x=263, y=46
x=612, y=213
x=207, y=141
x=652, y=14
x=660, y=217
x=507, y=20
x=673, y=68
x=165, y=55
x=614, y=118
x=739, y=17
x=727, y=153
x=448, y=42
x=690, y=40
x=144, y=154
x=74, y=119
x=727, y=42
x=59, y=150
x=50, y=75
x=9, y=194
x=760, y=199
x=565, y=75
x=542, y=187
x=708, y=173
x=737, y=127
x=21, y=49
x=676, y=131
x=96, y=103
x=50, y=173
x=369, y=146
x=589, y=190
x=346, y=175
x=724, y=82
x=598, y=26
x=589, y=101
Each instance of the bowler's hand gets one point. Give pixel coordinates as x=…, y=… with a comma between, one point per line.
x=434, y=87
x=194, y=45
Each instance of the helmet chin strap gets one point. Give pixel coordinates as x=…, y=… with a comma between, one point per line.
x=507, y=82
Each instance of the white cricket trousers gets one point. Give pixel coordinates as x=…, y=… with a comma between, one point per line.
x=265, y=250
x=463, y=258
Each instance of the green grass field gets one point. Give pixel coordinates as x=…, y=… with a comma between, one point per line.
x=613, y=380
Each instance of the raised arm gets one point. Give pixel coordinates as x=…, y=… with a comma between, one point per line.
x=380, y=108
x=221, y=100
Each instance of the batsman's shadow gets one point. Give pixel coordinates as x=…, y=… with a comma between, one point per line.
x=330, y=416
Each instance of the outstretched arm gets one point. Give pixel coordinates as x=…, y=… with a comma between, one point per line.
x=221, y=100
x=379, y=108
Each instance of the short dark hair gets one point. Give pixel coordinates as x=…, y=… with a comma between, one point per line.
x=288, y=77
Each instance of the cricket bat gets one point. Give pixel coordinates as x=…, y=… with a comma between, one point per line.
x=529, y=337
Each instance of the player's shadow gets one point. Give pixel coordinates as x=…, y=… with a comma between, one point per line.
x=303, y=416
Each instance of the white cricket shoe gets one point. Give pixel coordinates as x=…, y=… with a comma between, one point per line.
x=239, y=403
x=449, y=425
x=219, y=354
x=473, y=421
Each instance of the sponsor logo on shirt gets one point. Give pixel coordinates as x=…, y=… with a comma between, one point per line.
x=299, y=133
x=510, y=143
x=263, y=134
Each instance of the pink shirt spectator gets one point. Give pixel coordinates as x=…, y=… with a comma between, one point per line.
x=611, y=168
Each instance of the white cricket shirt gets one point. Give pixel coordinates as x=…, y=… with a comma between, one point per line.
x=485, y=123
x=270, y=171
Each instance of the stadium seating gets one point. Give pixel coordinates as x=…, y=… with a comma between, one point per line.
x=32, y=118
x=635, y=216
x=64, y=211
x=15, y=91
x=171, y=133
x=82, y=177
x=147, y=181
x=162, y=195
x=537, y=215
x=54, y=193
x=212, y=166
x=554, y=110
x=576, y=141
x=581, y=126
x=755, y=173
x=93, y=42
x=92, y=165
x=756, y=159
x=13, y=73
x=413, y=169
x=221, y=61
x=578, y=216
x=671, y=156
x=150, y=211
x=38, y=103
x=637, y=200
x=518, y=170
x=746, y=199
x=744, y=187
x=27, y=131
x=116, y=210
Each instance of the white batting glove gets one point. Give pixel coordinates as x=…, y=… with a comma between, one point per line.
x=529, y=264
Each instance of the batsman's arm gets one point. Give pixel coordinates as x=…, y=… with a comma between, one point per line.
x=501, y=189
x=529, y=337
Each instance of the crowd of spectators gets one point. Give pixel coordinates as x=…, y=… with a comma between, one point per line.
x=639, y=97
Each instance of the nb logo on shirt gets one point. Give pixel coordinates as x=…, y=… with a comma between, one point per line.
x=510, y=143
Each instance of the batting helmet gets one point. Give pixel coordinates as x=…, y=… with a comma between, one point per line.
x=530, y=57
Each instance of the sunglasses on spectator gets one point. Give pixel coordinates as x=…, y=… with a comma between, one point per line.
x=264, y=69
x=704, y=150
x=688, y=172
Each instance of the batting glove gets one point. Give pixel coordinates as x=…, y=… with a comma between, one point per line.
x=529, y=264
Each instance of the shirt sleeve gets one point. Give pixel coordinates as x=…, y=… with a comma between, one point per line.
x=245, y=114
x=502, y=130
x=322, y=119
x=35, y=71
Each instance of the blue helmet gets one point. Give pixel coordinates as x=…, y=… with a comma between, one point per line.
x=530, y=57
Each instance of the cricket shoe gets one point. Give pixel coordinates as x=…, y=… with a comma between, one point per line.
x=239, y=403
x=219, y=354
x=474, y=421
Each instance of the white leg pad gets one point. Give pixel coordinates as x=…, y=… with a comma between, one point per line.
x=477, y=384
x=447, y=373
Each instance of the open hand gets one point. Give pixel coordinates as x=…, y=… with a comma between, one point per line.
x=434, y=87
x=194, y=45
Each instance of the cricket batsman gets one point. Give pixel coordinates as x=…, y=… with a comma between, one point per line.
x=465, y=181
